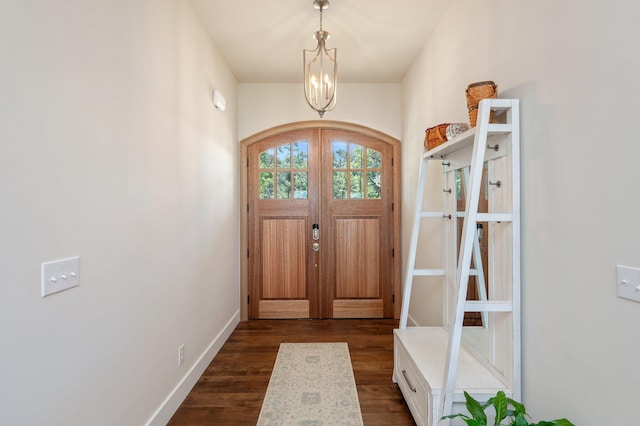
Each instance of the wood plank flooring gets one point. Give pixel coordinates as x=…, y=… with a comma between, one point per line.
x=231, y=390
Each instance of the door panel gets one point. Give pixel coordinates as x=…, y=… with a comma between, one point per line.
x=357, y=202
x=355, y=277
x=282, y=205
x=283, y=309
x=283, y=259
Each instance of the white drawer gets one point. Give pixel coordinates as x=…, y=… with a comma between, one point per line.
x=413, y=386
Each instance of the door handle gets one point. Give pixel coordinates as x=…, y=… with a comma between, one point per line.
x=316, y=247
x=315, y=232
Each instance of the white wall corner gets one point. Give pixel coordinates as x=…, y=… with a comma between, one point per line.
x=171, y=404
x=411, y=322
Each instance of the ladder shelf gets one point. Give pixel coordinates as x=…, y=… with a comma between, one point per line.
x=438, y=359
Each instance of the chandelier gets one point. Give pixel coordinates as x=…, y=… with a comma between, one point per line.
x=320, y=70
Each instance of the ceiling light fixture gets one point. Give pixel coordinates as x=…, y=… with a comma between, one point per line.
x=320, y=70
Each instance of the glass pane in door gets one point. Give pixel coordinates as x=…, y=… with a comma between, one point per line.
x=277, y=168
x=357, y=172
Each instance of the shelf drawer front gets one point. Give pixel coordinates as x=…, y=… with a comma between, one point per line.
x=412, y=384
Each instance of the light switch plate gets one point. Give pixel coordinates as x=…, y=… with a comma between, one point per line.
x=60, y=275
x=628, y=282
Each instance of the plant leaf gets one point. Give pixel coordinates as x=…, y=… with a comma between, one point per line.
x=520, y=420
x=518, y=407
x=557, y=422
x=562, y=422
x=453, y=416
x=475, y=409
x=489, y=402
x=500, y=405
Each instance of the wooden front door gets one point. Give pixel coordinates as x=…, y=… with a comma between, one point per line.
x=320, y=226
x=282, y=191
x=357, y=226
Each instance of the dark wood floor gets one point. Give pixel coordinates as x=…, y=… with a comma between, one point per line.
x=231, y=390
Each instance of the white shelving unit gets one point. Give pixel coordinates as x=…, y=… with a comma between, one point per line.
x=434, y=365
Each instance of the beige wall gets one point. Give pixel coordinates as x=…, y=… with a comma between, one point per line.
x=263, y=106
x=574, y=66
x=110, y=149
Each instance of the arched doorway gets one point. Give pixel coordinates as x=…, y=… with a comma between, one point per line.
x=320, y=222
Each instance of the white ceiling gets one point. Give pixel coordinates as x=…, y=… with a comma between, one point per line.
x=262, y=40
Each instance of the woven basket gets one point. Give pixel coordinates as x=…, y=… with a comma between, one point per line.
x=475, y=93
x=436, y=135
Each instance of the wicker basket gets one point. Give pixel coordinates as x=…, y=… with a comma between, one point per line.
x=475, y=93
x=436, y=135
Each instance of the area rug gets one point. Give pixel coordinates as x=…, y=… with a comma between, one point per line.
x=312, y=384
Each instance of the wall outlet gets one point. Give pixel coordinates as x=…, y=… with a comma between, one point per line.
x=628, y=282
x=180, y=355
x=59, y=275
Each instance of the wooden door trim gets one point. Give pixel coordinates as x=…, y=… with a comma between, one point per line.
x=319, y=125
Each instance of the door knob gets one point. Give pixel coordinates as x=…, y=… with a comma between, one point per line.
x=316, y=247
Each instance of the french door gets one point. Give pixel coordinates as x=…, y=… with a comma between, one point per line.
x=320, y=225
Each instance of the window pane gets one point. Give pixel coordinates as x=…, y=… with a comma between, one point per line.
x=356, y=156
x=284, y=156
x=339, y=155
x=374, y=185
x=300, y=185
x=339, y=184
x=284, y=185
x=374, y=159
x=357, y=190
x=266, y=159
x=300, y=155
x=266, y=186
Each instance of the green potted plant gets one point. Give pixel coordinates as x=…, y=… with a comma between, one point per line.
x=505, y=409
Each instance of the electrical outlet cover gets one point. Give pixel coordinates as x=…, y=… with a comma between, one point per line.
x=180, y=355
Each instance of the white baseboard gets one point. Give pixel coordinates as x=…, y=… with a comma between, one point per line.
x=170, y=405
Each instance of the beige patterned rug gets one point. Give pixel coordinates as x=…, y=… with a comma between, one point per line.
x=312, y=384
